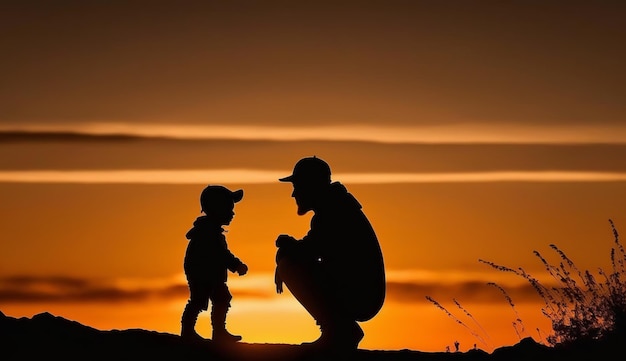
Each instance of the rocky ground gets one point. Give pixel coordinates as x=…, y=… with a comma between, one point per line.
x=45, y=336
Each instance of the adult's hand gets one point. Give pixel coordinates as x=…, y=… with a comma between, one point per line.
x=279, y=283
x=284, y=240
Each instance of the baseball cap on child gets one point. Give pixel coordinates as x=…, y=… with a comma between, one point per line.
x=217, y=194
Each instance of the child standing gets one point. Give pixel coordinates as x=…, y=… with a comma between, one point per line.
x=207, y=261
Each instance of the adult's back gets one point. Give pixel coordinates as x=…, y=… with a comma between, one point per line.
x=350, y=250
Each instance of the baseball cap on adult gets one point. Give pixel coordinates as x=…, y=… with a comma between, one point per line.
x=309, y=169
x=219, y=195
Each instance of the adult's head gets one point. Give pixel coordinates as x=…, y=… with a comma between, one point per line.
x=310, y=177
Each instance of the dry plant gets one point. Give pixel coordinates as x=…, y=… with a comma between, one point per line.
x=580, y=308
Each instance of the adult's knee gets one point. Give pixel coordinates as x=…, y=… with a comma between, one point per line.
x=290, y=263
x=289, y=253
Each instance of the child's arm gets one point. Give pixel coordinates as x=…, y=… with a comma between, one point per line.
x=242, y=269
x=234, y=264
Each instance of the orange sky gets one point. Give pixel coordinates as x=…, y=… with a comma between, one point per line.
x=467, y=132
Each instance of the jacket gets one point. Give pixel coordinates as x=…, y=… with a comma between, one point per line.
x=342, y=239
x=207, y=257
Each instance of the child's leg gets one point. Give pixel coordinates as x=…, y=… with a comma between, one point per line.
x=198, y=301
x=188, y=320
x=220, y=299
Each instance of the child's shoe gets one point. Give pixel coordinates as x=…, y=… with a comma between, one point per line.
x=191, y=335
x=221, y=335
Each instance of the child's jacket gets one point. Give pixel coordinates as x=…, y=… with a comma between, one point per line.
x=207, y=258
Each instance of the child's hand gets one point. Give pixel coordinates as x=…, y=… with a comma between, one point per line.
x=242, y=269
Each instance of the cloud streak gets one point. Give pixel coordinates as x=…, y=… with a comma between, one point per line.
x=249, y=176
x=477, y=133
x=37, y=289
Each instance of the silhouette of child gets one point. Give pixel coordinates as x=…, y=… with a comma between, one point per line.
x=207, y=260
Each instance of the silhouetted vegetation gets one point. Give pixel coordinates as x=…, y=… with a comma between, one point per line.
x=580, y=306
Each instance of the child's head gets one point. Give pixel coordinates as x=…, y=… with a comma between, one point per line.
x=218, y=202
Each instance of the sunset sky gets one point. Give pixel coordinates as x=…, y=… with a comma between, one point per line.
x=467, y=130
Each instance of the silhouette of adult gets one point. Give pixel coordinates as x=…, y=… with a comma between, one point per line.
x=336, y=271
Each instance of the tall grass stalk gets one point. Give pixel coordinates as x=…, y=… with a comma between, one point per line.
x=518, y=325
x=457, y=320
x=466, y=312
